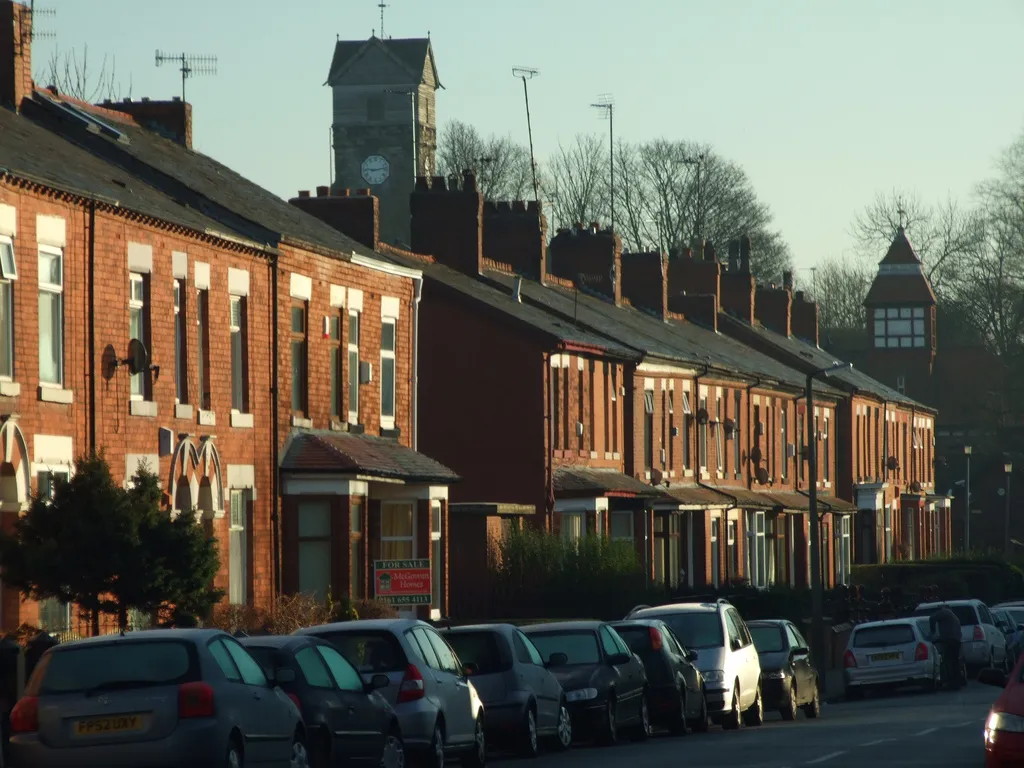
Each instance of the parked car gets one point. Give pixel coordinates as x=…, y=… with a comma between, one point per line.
x=726, y=657
x=1004, y=728
x=675, y=687
x=439, y=711
x=347, y=721
x=523, y=700
x=165, y=697
x=890, y=653
x=788, y=679
x=1004, y=622
x=1015, y=610
x=604, y=682
x=924, y=628
x=984, y=644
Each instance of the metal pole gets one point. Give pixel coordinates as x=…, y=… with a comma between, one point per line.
x=529, y=131
x=967, y=508
x=1006, y=521
x=817, y=598
x=611, y=150
x=415, y=143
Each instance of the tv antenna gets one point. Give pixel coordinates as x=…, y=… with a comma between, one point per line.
x=34, y=12
x=382, y=5
x=188, y=65
x=524, y=74
x=605, y=104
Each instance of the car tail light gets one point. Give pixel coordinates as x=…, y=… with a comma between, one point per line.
x=655, y=639
x=295, y=699
x=921, y=654
x=195, y=700
x=979, y=633
x=25, y=715
x=412, y=687
x=849, y=660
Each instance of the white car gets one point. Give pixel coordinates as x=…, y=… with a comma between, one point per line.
x=726, y=657
x=888, y=653
x=983, y=644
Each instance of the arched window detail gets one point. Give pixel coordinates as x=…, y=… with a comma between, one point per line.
x=15, y=468
x=196, y=479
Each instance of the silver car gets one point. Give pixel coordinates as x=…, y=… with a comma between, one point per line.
x=438, y=709
x=982, y=643
x=890, y=653
x=159, y=699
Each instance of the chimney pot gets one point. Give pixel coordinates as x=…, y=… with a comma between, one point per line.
x=438, y=184
x=709, y=251
x=145, y=99
x=519, y=206
x=787, y=280
x=322, y=191
x=346, y=192
x=365, y=192
x=734, y=255
x=595, y=227
x=303, y=193
x=176, y=98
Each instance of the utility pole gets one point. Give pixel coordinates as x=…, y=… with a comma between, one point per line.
x=1008, y=467
x=606, y=103
x=967, y=503
x=188, y=65
x=528, y=73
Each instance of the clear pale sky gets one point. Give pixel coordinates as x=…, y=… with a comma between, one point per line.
x=823, y=102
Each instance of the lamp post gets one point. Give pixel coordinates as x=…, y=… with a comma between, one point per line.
x=967, y=503
x=1008, y=468
x=817, y=597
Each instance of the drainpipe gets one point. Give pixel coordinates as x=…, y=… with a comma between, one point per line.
x=418, y=295
x=751, y=426
x=91, y=288
x=275, y=493
x=548, y=460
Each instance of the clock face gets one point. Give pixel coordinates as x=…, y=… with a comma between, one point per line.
x=376, y=169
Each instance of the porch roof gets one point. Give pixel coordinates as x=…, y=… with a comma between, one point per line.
x=318, y=452
x=577, y=481
x=748, y=499
x=698, y=496
x=832, y=504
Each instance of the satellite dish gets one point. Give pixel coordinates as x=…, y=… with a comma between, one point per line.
x=762, y=475
x=892, y=463
x=656, y=476
x=755, y=454
x=915, y=487
x=138, y=357
x=730, y=427
x=702, y=416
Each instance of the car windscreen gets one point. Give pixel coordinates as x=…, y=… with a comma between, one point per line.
x=695, y=629
x=480, y=649
x=767, y=638
x=369, y=651
x=882, y=636
x=580, y=646
x=1017, y=614
x=965, y=613
x=116, y=666
x=637, y=636
x=268, y=656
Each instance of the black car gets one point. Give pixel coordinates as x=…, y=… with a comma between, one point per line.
x=604, y=682
x=675, y=687
x=788, y=679
x=347, y=720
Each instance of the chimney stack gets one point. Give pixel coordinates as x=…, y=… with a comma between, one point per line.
x=745, y=254
x=15, y=53
x=591, y=259
x=734, y=255
x=805, y=318
x=694, y=285
x=515, y=237
x=773, y=309
x=170, y=119
x=737, y=294
x=787, y=280
x=447, y=222
x=645, y=281
x=357, y=216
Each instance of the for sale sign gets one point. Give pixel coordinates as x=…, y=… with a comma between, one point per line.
x=402, y=582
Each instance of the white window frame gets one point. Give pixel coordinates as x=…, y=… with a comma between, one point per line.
x=137, y=303
x=578, y=527
x=714, y=531
x=621, y=513
x=757, y=554
x=388, y=422
x=354, y=321
x=237, y=523
x=887, y=530
x=885, y=337
x=7, y=278
x=236, y=328
x=826, y=470
x=65, y=608
x=436, y=559
x=844, y=559
x=58, y=291
x=180, y=344
x=702, y=438
x=784, y=436
x=719, y=438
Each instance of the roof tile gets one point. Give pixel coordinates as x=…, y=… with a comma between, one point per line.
x=348, y=453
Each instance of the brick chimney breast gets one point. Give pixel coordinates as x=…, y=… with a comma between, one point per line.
x=515, y=237
x=734, y=255
x=745, y=254
x=357, y=217
x=773, y=308
x=170, y=119
x=645, y=281
x=592, y=260
x=15, y=53
x=805, y=318
x=737, y=285
x=447, y=222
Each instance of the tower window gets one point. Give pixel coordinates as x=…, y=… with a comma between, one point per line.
x=900, y=327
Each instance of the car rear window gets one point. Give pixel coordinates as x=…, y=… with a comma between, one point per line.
x=481, y=649
x=580, y=646
x=878, y=637
x=116, y=666
x=637, y=637
x=965, y=613
x=767, y=638
x=369, y=651
x=695, y=629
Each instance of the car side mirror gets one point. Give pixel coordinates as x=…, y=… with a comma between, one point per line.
x=691, y=656
x=993, y=677
x=470, y=669
x=736, y=644
x=618, y=659
x=798, y=651
x=284, y=675
x=557, y=660
x=379, y=681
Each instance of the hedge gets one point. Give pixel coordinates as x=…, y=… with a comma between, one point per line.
x=985, y=578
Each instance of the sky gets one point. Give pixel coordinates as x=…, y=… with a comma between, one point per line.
x=824, y=103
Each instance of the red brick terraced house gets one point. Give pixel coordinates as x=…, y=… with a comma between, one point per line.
x=602, y=404
x=279, y=400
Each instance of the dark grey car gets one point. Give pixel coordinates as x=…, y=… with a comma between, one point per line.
x=523, y=700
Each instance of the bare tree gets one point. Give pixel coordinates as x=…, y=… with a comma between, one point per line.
x=502, y=166
x=75, y=76
x=578, y=186
x=840, y=286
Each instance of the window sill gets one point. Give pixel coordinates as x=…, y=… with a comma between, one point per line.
x=339, y=426
x=182, y=411
x=207, y=418
x=142, y=408
x=56, y=395
x=241, y=420
x=298, y=421
x=10, y=389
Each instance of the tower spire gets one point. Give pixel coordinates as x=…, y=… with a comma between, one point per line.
x=382, y=5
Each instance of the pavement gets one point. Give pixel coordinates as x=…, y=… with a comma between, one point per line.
x=899, y=730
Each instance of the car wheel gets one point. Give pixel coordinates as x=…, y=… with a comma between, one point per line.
x=530, y=746
x=234, y=757
x=755, y=715
x=610, y=728
x=734, y=720
x=300, y=757
x=563, y=733
x=477, y=756
x=703, y=722
x=788, y=710
x=813, y=708
x=680, y=726
x=393, y=755
x=435, y=756
x=642, y=732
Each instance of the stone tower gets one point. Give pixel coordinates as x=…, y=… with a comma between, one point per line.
x=901, y=322
x=385, y=122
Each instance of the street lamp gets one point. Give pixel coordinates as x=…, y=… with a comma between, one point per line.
x=817, y=598
x=967, y=504
x=1008, y=468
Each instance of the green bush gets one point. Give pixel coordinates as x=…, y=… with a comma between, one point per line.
x=981, y=576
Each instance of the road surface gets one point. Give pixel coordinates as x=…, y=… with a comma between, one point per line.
x=904, y=730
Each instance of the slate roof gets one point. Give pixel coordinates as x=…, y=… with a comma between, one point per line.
x=411, y=52
x=369, y=455
x=815, y=357
x=697, y=496
x=906, y=290
x=573, y=480
x=900, y=250
x=192, y=179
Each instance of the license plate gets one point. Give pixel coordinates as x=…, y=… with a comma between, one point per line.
x=891, y=656
x=101, y=726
